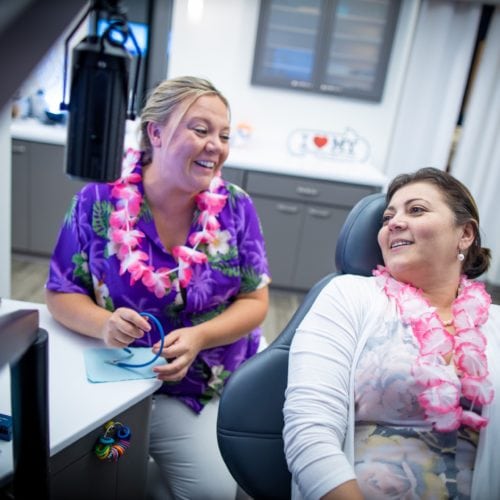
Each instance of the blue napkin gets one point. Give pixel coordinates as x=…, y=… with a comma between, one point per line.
x=100, y=371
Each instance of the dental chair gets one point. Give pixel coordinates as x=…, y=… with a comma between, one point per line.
x=250, y=418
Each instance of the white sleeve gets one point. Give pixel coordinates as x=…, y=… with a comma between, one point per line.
x=317, y=395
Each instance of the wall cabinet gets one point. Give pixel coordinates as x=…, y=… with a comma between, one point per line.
x=326, y=46
x=41, y=194
x=301, y=220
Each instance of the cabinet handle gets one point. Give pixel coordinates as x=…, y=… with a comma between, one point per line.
x=18, y=148
x=319, y=212
x=287, y=209
x=307, y=191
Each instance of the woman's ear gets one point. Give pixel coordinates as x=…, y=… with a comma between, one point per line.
x=468, y=235
x=154, y=134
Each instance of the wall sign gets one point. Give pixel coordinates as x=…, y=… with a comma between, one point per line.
x=341, y=146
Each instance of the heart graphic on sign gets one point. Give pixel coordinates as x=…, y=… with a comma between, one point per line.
x=320, y=140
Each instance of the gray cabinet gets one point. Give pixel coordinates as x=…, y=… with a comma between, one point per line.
x=20, y=196
x=301, y=220
x=316, y=249
x=41, y=194
x=234, y=175
x=77, y=473
x=282, y=223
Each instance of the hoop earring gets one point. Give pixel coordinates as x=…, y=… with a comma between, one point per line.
x=460, y=256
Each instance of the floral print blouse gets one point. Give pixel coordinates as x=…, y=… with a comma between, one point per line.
x=83, y=262
x=398, y=455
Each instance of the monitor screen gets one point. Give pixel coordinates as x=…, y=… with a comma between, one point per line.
x=139, y=30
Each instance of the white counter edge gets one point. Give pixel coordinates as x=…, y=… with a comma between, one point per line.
x=251, y=158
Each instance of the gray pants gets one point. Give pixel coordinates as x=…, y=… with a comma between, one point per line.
x=187, y=462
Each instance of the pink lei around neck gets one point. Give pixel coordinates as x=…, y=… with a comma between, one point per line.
x=467, y=373
x=125, y=239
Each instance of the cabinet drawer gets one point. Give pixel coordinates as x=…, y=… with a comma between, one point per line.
x=304, y=189
x=282, y=225
x=19, y=147
x=77, y=473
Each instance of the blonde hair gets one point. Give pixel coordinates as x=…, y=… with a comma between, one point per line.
x=166, y=98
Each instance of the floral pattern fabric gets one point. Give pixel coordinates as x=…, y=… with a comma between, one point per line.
x=85, y=261
x=398, y=454
x=413, y=464
x=465, y=375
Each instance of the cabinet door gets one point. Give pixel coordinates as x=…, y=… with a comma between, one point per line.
x=20, y=197
x=77, y=474
x=282, y=225
x=316, y=248
x=234, y=175
x=51, y=192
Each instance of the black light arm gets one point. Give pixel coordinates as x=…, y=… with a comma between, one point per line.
x=118, y=26
x=99, y=97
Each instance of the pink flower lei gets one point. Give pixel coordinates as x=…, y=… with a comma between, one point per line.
x=466, y=375
x=126, y=239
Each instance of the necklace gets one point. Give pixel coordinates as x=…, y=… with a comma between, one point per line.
x=466, y=376
x=125, y=239
x=447, y=322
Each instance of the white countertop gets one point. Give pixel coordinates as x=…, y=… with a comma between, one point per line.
x=256, y=157
x=281, y=162
x=30, y=129
x=76, y=406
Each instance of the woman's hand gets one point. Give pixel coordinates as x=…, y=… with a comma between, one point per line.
x=180, y=350
x=123, y=327
x=183, y=345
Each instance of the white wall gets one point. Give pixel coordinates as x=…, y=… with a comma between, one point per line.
x=220, y=46
x=5, y=190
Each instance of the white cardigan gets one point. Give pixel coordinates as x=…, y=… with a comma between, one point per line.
x=319, y=406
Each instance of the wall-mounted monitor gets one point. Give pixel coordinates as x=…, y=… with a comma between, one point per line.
x=139, y=30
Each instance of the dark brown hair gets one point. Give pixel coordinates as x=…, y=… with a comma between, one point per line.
x=461, y=203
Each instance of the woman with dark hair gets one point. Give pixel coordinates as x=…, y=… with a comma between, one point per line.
x=394, y=380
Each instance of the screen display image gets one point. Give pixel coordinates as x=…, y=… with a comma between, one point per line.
x=139, y=30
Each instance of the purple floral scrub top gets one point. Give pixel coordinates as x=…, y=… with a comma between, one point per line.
x=83, y=262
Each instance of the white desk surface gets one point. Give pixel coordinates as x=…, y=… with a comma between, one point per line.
x=76, y=406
